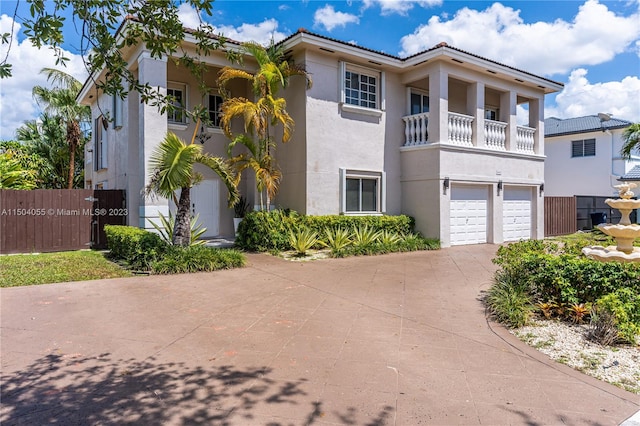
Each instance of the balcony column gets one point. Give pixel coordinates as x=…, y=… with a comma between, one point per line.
x=508, y=104
x=438, y=106
x=475, y=107
x=152, y=128
x=536, y=120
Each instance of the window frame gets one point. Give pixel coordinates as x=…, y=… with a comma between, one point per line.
x=212, y=125
x=101, y=143
x=378, y=177
x=491, y=111
x=118, y=106
x=171, y=117
x=379, y=76
x=423, y=94
x=583, y=148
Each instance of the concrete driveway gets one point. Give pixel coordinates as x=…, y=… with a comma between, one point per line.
x=398, y=339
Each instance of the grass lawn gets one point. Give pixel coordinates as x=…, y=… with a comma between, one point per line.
x=31, y=269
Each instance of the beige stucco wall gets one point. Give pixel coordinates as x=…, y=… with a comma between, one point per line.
x=596, y=175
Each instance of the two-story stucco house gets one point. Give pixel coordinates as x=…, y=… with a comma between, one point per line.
x=583, y=155
x=433, y=135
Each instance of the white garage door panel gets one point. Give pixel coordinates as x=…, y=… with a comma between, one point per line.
x=516, y=216
x=468, y=215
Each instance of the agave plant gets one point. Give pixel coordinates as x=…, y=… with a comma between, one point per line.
x=302, y=240
x=364, y=236
x=165, y=229
x=337, y=238
x=389, y=238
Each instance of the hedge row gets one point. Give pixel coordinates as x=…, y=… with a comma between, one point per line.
x=269, y=231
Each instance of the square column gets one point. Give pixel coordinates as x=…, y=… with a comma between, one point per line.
x=438, y=126
x=536, y=120
x=152, y=130
x=508, y=104
x=475, y=107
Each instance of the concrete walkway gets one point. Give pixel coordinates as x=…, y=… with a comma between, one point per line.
x=385, y=340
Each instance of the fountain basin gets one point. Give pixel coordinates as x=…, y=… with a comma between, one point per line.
x=626, y=206
x=611, y=254
x=624, y=235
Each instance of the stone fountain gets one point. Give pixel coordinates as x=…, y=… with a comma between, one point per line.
x=625, y=233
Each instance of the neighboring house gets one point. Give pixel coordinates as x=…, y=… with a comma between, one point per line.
x=433, y=135
x=583, y=156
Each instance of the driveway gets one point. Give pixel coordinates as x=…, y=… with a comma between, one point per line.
x=396, y=339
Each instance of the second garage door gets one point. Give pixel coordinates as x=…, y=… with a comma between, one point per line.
x=516, y=214
x=468, y=209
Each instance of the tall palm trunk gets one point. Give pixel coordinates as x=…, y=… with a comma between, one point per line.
x=182, y=226
x=73, y=140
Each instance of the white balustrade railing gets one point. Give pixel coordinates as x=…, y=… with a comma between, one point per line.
x=525, y=141
x=495, y=135
x=415, y=129
x=460, y=129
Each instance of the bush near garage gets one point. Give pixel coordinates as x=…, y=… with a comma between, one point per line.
x=271, y=232
x=558, y=281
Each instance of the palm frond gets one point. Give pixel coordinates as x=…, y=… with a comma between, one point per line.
x=171, y=165
x=226, y=173
x=631, y=141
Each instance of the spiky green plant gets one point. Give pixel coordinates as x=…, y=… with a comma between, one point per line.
x=337, y=238
x=302, y=240
x=389, y=238
x=364, y=236
x=165, y=229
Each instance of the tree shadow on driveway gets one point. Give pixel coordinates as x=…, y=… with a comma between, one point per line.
x=67, y=389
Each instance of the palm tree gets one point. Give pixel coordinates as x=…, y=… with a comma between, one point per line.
x=61, y=101
x=172, y=169
x=260, y=115
x=13, y=175
x=45, y=138
x=631, y=140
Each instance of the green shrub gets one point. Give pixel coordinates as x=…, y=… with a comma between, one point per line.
x=135, y=246
x=197, y=259
x=623, y=305
x=166, y=226
x=269, y=231
x=557, y=278
x=336, y=239
x=508, y=301
x=302, y=240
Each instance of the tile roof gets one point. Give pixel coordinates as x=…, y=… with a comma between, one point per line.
x=633, y=174
x=556, y=126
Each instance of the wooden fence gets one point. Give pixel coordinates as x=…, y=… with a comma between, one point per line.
x=560, y=216
x=46, y=220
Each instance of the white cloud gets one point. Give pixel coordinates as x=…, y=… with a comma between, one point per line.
x=401, y=7
x=580, y=97
x=16, y=103
x=329, y=18
x=188, y=16
x=594, y=36
x=261, y=33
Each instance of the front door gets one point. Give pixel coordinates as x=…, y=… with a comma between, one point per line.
x=205, y=202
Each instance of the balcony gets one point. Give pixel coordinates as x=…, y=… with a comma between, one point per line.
x=460, y=132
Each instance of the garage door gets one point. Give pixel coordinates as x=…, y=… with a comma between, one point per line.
x=516, y=214
x=468, y=210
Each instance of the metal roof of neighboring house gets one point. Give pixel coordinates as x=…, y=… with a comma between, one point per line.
x=633, y=174
x=556, y=126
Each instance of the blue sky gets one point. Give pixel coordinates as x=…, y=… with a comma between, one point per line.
x=591, y=46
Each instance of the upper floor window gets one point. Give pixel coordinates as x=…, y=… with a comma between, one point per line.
x=215, y=109
x=361, y=89
x=178, y=97
x=583, y=148
x=118, y=103
x=100, y=130
x=419, y=103
x=491, y=113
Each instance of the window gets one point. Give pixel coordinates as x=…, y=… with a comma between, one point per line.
x=583, y=148
x=100, y=143
x=362, y=192
x=215, y=112
x=361, y=89
x=117, y=111
x=491, y=113
x=178, y=94
x=419, y=103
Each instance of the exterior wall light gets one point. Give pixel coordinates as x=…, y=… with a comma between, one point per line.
x=499, y=187
x=445, y=184
x=541, y=188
